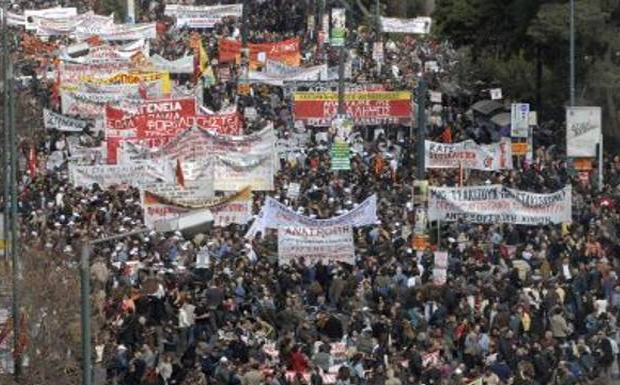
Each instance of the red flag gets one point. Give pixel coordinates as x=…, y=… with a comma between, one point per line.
x=446, y=135
x=56, y=88
x=179, y=174
x=32, y=162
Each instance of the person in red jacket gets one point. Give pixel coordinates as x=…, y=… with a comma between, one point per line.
x=299, y=361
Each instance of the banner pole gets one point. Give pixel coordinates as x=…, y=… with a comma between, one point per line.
x=600, y=163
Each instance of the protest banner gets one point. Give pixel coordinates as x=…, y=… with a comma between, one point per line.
x=519, y=120
x=201, y=16
x=30, y=15
x=418, y=25
x=469, y=155
x=158, y=208
x=234, y=172
x=314, y=73
x=236, y=210
x=109, y=175
x=53, y=120
x=184, y=65
x=173, y=194
x=285, y=51
x=72, y=73
x=81, y=155
x=68, y=25
x=365, y=108
x=137, y=91
x=14, y=19
x=195, y=143
x=274, y=215
x=313, y=244
x=116, y=32
x=89, y=105
x=104, y=54
x=340, y=156
x=150, y=120
x=131, y=77
x=156, y=130
x=583, y=131
x=440, y=267
x=497, y=204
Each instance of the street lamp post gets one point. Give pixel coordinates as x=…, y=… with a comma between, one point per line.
x=572, y=52
x=85, y=312
x=421, y=132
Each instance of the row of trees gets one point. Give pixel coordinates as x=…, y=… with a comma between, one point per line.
x=524, y=46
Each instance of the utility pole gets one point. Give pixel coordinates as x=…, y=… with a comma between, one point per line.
x=378, y=18
x=13, y=222
x=421, y=132
x=339, y=39
x=341, y=104
x=572, y=52
x=85, y=313
x=5, y=120
x=244, y=24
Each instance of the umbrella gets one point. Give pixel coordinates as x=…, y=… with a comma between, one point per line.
x=502, y=119
x=486, y=107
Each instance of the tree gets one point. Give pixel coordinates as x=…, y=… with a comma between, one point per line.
x=49, y=298
x=534, y=36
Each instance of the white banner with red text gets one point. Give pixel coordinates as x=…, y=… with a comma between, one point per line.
x=469, y=155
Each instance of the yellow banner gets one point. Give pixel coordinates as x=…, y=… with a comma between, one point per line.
x=132, y=78
x=352, y=96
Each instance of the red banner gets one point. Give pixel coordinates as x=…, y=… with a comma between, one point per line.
x=367, y=108
x=285, y=51
x=158, y=122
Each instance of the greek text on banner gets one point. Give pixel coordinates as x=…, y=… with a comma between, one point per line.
x=327, y=243
x=498, y=204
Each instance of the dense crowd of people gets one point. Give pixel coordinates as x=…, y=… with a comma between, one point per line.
x=521, y=305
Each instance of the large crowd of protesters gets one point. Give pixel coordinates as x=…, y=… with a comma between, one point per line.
x=522, y=304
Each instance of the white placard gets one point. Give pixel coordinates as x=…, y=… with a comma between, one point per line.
x=583, y=131
x=293, y=190
x=496, y=94
x=418, y=25
x=326, y=243
x=53, y=120
x=519, y=120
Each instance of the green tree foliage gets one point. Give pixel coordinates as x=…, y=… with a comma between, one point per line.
x=117, y=7
x=533, y=37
